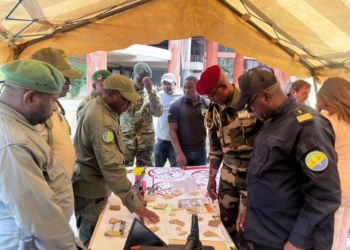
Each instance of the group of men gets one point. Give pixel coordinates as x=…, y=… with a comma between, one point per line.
x=289, y=192
x=101, y=149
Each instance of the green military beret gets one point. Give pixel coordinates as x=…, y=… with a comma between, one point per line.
x=123, y=84
x=35, y=75
x=100, y=75
x=143, y=69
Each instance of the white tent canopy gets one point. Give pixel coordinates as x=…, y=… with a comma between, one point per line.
x=300, y=37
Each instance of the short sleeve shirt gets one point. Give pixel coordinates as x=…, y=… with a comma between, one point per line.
x=191, y=131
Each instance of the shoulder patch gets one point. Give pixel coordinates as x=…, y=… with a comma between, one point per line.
x=316, y=161
x=108, y=136
x=302, y=115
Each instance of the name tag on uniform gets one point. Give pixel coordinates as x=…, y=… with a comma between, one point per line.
x=244, y=114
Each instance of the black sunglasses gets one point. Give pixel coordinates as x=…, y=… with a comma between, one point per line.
x=248, y=106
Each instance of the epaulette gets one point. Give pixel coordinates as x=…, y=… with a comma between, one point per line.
x=302, y=115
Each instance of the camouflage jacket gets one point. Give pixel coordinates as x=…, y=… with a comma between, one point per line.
x=88, y=98
x=231, y=135
x=138, y=120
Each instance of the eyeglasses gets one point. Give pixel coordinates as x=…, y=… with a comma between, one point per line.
x=248, y=106
x=214, y=93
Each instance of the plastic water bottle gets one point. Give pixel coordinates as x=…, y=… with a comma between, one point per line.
x=26, y=243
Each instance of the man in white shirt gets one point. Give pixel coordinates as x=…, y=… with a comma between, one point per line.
x=164, y=149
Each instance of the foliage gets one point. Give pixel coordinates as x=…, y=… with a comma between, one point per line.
x=226, y=64
x=2, y=76
x=79, y=82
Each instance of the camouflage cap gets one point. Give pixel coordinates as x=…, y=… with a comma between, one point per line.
x=123, y=84
x=100, y=75
x=35, y=75
x=143, y=69
x=58, y=59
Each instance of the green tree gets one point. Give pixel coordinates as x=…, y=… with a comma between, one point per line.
x=1, y=75
x=79, y=82
x=227, y=65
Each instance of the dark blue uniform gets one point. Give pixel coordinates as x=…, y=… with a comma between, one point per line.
x=293, y=181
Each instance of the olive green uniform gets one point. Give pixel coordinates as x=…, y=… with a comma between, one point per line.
x=93, y=95
x=99, y=166
x=138, y=128
x=228, y=127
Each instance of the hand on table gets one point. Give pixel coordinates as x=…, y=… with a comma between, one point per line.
x=181, y=160
x=289, y=246
x=211, y=188
x=240, y=219
x=143, y=213
x=148, y=83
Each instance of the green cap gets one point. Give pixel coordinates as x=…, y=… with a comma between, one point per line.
x=123, y=84
x=143, y=69
x=58, y=59
x=35, y=75
x=100, y=75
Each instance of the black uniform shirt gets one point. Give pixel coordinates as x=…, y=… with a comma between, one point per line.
x=293, y=181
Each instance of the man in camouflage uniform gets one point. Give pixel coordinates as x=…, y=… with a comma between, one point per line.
x=232, y=137
x=97, y=87
x=137, y=123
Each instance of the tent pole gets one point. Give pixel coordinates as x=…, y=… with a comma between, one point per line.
x=315, y=85
x=22, y=47
x=285, y=49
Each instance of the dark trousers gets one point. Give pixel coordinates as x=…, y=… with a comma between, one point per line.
x=87, y=212
x=164, y=150
x=196, y=158
x=262, y=247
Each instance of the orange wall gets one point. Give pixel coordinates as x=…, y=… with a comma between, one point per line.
x=175, y=46
x=94, y=61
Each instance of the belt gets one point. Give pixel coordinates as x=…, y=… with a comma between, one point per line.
x=238, y=162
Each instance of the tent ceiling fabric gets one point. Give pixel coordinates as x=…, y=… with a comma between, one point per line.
x=300, y=37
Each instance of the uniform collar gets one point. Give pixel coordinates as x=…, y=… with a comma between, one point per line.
x=15, y=115
x=284, y=107
x=198, y=98
x=235, y=98
x=113, y=114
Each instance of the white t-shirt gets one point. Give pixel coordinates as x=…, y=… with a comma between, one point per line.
x=162, y=130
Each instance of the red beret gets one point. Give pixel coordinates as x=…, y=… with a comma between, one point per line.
x=209, y=78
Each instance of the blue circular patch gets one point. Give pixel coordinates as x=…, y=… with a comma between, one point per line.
x=316, y=161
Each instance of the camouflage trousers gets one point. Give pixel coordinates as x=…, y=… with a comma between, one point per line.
x=229, y=199
x=144, y=156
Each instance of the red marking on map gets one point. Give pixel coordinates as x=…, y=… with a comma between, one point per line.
x=202, y=176
x=164, y=187
x=166, y=173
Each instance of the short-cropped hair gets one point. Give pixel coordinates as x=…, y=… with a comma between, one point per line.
x=298, y=84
